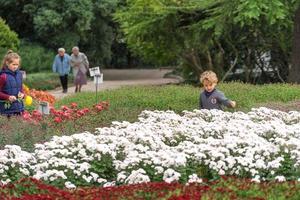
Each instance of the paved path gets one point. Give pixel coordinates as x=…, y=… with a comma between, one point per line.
x=124, y=77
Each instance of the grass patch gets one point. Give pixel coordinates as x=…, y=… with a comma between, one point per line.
x=127, y=103
x=186, y=97
x=248, y=96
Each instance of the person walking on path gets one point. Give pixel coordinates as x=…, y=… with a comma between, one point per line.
x=11, y=86
x=61, y=65
x=80, y=67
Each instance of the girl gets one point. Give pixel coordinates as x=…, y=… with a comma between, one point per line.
x=11, y=86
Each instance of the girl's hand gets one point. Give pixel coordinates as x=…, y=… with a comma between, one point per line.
x=21, y=95
x=12, y=98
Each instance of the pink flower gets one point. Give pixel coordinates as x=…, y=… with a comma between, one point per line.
x=64, y=108
x=57, y=120
x=26, y=115
x=36, y=114
x=74, y=105
x=99, y=107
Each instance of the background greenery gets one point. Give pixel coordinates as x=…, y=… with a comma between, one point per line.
x=252, y=41
x=8, y=38
x=45, y=80
x=127, y=103
x=35, y=57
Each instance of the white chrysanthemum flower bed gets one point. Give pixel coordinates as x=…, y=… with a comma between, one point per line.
x=162, y=145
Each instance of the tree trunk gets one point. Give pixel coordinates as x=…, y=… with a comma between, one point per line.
x=247, y=65
x=209, y=60
x=129, y=60
x=193, y=60
x=294, y=71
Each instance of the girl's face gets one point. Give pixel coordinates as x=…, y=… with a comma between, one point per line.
x=13, y=65
x=209, y=86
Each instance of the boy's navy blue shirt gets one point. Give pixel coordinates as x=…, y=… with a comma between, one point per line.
x=213, y=100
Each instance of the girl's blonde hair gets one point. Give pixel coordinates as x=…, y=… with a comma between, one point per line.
x=209, y=76
x=9, y=57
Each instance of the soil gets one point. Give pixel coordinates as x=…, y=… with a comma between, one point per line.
x=286, y=107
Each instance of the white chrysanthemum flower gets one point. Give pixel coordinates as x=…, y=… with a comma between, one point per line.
x=256, y=179
x=137, y=176
x=70, y=185
x=280, y=178
x=5, y=182
x=193, y=178
x=109, y=184
x=171, y=175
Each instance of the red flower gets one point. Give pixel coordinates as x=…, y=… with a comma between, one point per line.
x=57, y=120
x=37, y=115
x=64, y=108
x=74, y=105
x=99, y=107
x=26, y=115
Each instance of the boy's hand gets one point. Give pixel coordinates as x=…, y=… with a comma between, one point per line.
x=12, y=98
x=233, y=104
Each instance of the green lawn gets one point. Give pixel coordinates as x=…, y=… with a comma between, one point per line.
x=186, y=97
x=126, y=104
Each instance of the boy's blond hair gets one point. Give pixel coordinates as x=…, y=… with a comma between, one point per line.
x=209, y=76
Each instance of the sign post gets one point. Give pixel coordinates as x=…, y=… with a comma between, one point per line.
x=23, y=74
x=44, y=108
x=98, y=78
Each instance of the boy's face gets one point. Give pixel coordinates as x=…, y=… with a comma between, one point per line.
x=209, y=86
x=13, y=65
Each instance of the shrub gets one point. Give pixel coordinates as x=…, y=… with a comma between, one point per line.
x=9, y=39
x=35, y=58
x=44, y=81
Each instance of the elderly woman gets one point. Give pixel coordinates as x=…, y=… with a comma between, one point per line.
x=61, y=65
x=80, y=66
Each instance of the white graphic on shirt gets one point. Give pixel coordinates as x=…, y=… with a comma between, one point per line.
x=213, y=100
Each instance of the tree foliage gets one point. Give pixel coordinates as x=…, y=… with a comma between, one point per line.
x=65, y=23
x=16, y=18
x=8, y=38
x=60, y=22
x=208, y=34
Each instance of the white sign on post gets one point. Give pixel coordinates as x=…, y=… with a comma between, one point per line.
x=44, y=107
x=98, y=79
x=95, y=71
x=23, y=74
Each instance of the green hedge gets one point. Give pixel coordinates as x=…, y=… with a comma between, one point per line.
x=36, y=58
x=44, y=80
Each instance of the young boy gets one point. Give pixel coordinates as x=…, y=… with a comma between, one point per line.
x=212, y=98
